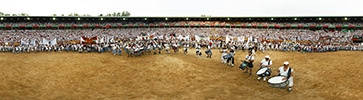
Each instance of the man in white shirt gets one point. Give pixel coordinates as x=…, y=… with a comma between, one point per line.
x=129, y=50
x=209, y=52
x=160, y=47
x=175, y=47
x=114, y=49
x=267, y=62
x=230, y=61
x=197, y=50
x=186, y=48
x=119, y=48
x=249, y=59
x=80, y=48
x=224, y=53
x=286, y=71
x=167, y=47
x=155, y=47
x=99, y=48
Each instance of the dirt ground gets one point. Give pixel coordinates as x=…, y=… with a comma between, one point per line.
x=71, y=76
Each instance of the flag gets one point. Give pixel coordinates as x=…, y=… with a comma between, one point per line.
x=250, y=38
x=161, y=37
x=229, y=39
x=111, y=39
x=102, y=40
x=91, y=40
x=53, y=42
x=205, y=38
x=240, y=39
x=82, y=40
x=180, y=37
x=187, y=38
x=22, y=42
x=45, y=41
x=32, y=42
x=197, y=38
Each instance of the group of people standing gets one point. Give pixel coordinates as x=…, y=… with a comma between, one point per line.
x=264, y=71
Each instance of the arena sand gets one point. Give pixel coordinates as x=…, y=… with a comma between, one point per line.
x=87, y=76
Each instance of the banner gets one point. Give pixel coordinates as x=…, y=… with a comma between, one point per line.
x=92, y=40
x=205, y=38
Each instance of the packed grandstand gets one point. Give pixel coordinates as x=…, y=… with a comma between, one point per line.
x=139, y=36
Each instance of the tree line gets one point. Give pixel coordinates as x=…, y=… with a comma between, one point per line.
x=20, y=14
x=114, y=14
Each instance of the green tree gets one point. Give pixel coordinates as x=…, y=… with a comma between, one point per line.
x=125, y=13
x=100, y=15
x=114, y=14
x=24, y=14
x=86, y=15
x=2, y=14
x=54, y=14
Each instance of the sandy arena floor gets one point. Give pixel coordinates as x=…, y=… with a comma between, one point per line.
x=85, y=76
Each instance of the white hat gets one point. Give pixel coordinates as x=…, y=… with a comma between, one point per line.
x=267, y=56
x=286, y=63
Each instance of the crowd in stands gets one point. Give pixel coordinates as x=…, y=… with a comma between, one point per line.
x=157, y=39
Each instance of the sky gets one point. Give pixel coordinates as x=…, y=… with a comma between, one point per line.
x=196, y=8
